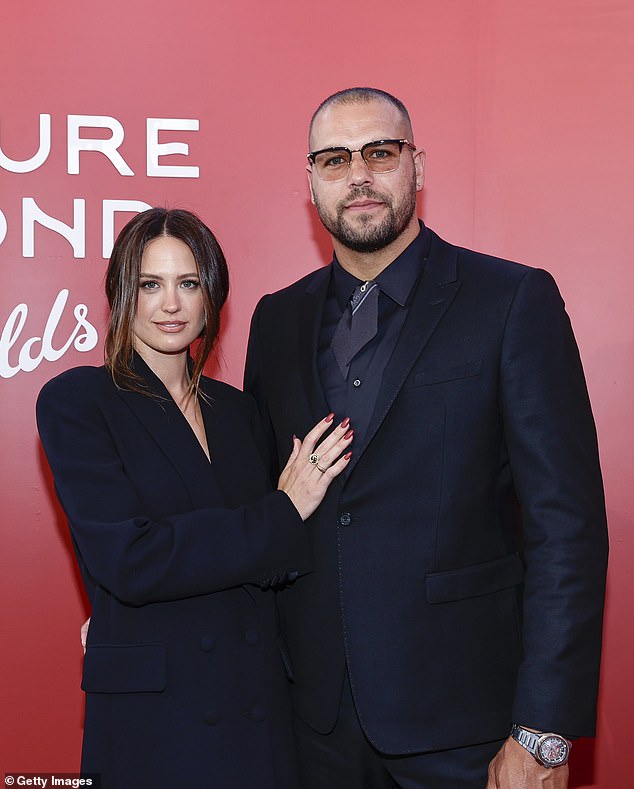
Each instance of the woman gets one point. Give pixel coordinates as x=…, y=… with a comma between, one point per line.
x=162, y=475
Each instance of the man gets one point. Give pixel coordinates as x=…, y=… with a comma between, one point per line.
x=459, y=566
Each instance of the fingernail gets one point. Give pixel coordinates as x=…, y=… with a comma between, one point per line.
x=349, y=434
x=329, y=418
x=347, y=456
x=294, y=436
x=345, y=422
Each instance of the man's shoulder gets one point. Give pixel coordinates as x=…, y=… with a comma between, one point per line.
x=306, y=284
x=480, y=263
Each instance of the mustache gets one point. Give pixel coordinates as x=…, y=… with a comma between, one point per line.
x=363, y=192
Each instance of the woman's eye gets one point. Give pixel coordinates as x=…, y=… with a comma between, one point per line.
x=189, y=284
x=149, y=285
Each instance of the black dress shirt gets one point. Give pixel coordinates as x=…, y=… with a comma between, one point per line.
x=356, y=396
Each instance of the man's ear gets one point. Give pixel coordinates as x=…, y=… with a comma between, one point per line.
x=419, y=165
x=309, y=173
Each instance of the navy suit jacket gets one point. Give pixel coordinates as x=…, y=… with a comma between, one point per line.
x=459, y=567
x=184, y=677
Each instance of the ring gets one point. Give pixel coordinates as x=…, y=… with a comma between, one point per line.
x=319, y=468
x=314, y=458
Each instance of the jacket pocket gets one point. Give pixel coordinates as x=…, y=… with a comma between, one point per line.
x=451, y=373
x=476, y=580
x=125, y=668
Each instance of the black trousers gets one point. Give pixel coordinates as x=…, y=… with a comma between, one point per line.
x=345, y=759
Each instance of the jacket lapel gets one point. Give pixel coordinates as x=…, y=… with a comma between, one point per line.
x=170, y=432
x=312, y=308
x=436, y=290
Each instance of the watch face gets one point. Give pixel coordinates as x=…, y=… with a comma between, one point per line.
x=553, y=750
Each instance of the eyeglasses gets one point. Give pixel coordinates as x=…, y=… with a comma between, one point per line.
x=380, y=156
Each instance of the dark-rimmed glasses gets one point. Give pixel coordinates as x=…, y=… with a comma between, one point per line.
x=380, y=156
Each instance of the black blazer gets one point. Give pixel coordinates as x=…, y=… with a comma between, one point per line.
x=452, y=621
x=183, y=673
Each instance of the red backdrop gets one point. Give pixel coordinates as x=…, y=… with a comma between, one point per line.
x=526, y=113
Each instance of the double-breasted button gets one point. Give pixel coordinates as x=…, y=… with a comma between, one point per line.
x=211, y=717
x=207, y=643
x=258, y=713
x=252, y=636
x=356, y=382
x=345, y=519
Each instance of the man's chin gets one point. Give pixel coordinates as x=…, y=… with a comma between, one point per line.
x=372, y=240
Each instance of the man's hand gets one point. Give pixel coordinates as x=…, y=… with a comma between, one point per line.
x=513, y=767
x=83, y=633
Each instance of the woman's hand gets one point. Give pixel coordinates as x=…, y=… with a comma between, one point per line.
x=312, y=467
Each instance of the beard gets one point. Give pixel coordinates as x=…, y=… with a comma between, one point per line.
x=364, y=236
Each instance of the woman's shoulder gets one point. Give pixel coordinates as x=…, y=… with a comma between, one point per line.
x=221, y=392
x=79, y=376
x=75, y=384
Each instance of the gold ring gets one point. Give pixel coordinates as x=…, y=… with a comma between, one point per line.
x=319, y=468
x=314, y=458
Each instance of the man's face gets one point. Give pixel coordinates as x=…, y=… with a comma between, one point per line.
x=365, y=211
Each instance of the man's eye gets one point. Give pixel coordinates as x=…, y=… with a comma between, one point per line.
x=335, y=161
x=380, y=154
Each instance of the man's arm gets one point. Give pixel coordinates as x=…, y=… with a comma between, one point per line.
x=553, y=454
x=254, y=385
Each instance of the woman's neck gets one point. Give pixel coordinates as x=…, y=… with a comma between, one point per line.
x=171, y=370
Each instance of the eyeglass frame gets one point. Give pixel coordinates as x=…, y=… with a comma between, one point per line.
x=312, y=154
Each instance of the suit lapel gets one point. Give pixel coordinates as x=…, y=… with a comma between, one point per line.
x=171, y=433
x=436, y=290
x=311, y=311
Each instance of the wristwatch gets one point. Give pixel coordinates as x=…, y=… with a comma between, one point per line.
x=551, y=750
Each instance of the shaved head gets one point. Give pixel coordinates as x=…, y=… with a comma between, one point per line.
x=362, y=96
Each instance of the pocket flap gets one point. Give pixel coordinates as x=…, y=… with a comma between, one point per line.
x=478, y=579
x=124, y=668
x=451, y=373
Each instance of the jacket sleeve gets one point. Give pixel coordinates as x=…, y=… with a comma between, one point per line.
x=139, y=559
x=553, y=454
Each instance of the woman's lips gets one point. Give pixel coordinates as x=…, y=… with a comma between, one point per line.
x=170, y=326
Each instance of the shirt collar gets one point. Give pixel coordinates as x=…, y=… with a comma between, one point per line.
x=396, y=281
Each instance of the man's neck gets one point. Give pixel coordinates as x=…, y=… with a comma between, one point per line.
x=368, y=265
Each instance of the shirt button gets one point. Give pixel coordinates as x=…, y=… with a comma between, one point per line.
x=356, y=382
x=208, y=643
x=211, y=717
x=252, y=637
x=258, y=713
x=345, y=519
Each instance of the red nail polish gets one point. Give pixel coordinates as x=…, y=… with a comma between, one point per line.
x=345, y=422
x=347, y=456
x=329, y=418
x=349, y=434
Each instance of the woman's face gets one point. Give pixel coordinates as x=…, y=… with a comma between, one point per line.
x=170, y=312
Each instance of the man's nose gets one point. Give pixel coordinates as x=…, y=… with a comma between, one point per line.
x=358, y=172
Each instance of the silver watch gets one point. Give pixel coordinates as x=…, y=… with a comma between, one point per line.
x=551, y=750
